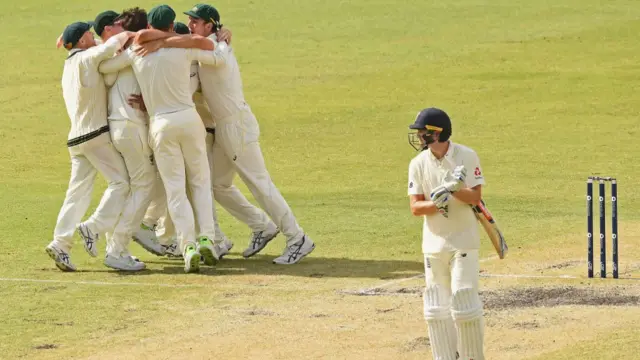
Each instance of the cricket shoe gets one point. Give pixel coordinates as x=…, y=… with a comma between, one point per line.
x=223, y=247
x=208, y=250
x=172, y=250
x=124, y=262
x=89, y=238
x=294, y=253
x=191, y=259
x=146, y=237
x=260, y=239
x=63, y=262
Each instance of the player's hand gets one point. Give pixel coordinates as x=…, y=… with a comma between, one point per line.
x=455, y=181
x=224, y=35
x=440, y=197
x=137, y=102
x=148, y=47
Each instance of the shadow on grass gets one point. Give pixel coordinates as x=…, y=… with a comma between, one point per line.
x=312, y=267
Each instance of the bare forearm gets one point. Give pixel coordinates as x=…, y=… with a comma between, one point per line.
x=424, y=207
x=188, y=42
x=470, y=196
x=144, y=36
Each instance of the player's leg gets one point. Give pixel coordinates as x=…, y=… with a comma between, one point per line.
x=220, y=238
x=194, y=149
x=165, y=134
x=466, y=308
x=75, y=205
x=437, y=306
x=131, y=140
x=250, y=165
x=263, y=230
x=115, y=211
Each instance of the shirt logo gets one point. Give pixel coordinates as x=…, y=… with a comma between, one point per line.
x=477, y=172
x=410, y=184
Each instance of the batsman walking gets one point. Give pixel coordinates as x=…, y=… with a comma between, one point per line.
x=440, y=191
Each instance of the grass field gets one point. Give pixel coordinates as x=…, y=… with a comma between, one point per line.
x=544, y=91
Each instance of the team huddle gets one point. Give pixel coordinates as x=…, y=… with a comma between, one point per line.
x=157, y=108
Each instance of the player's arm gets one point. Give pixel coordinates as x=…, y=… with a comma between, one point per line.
x=469, y=196
x=217, y=57
x=117, y=63
x=110, y=47
x=147, y=35
x=471, y=193
x=176, y=41
x=420, y=206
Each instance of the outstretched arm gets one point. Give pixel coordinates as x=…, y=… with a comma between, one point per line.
x=176, y=41
x=147, y=35
x=116, y=63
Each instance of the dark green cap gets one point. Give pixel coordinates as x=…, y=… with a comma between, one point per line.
x=205, y=12
x=161, y=16
x=181, y=28
x=103, y=19
x=73, y=33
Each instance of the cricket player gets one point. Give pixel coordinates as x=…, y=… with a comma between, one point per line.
x=129, y=133
x=236, y=150
x=165, y=229
x=90, y=146
x=441, y=192
x=177, y=134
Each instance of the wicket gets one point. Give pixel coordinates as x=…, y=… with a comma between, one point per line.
x=614, y=225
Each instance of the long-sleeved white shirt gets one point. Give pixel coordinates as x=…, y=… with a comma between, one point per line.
x=163, y=75
x=84, y=91
x=122, y=85
x=198, y=99
x=222, y=85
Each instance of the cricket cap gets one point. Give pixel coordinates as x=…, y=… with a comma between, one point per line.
x=73, y=33
x=205, y=12
x=161, y=16
x=105, y=18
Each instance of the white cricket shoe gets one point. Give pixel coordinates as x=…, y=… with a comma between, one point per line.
x=124, y=262
x=63, y=262
x=89, y=238
x=294, y=253
x=172, y=250
x=260, y=239
x=223, y=247
x=146, y=237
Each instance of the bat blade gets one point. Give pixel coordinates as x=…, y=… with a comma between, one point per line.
x=489, y=224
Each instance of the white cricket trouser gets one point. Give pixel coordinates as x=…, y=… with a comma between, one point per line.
x=87, y=159
x=132, y=141
x=178, y=142
x=451, y=296
x=158, y=205
x=236, y=150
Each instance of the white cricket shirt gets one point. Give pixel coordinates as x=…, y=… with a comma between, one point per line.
x=84, y=90
x=198, y=99
x=222, y=85
x=124, y=86
x=460, y=230
x=163, y=76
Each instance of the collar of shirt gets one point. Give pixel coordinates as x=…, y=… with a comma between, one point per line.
x=446, y=156
x=73, y=52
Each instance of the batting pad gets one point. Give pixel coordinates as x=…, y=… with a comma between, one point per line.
x=466, y=310
x=442, y=331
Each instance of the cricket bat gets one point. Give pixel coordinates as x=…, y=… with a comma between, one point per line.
x=489, y=224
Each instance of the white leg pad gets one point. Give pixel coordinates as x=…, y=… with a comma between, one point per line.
x=442, y=332
x=467, y=313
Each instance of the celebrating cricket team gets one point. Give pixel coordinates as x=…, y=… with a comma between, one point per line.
x=157, y=108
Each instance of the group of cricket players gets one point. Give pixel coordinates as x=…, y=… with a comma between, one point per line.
x=157, y=107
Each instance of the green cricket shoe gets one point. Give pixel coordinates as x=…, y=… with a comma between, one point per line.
x=191, y=259
x=207, y=250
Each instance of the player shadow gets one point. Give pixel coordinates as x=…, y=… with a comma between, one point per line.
x=311, y=267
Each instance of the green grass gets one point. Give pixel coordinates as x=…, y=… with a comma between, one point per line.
x=545, y=92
